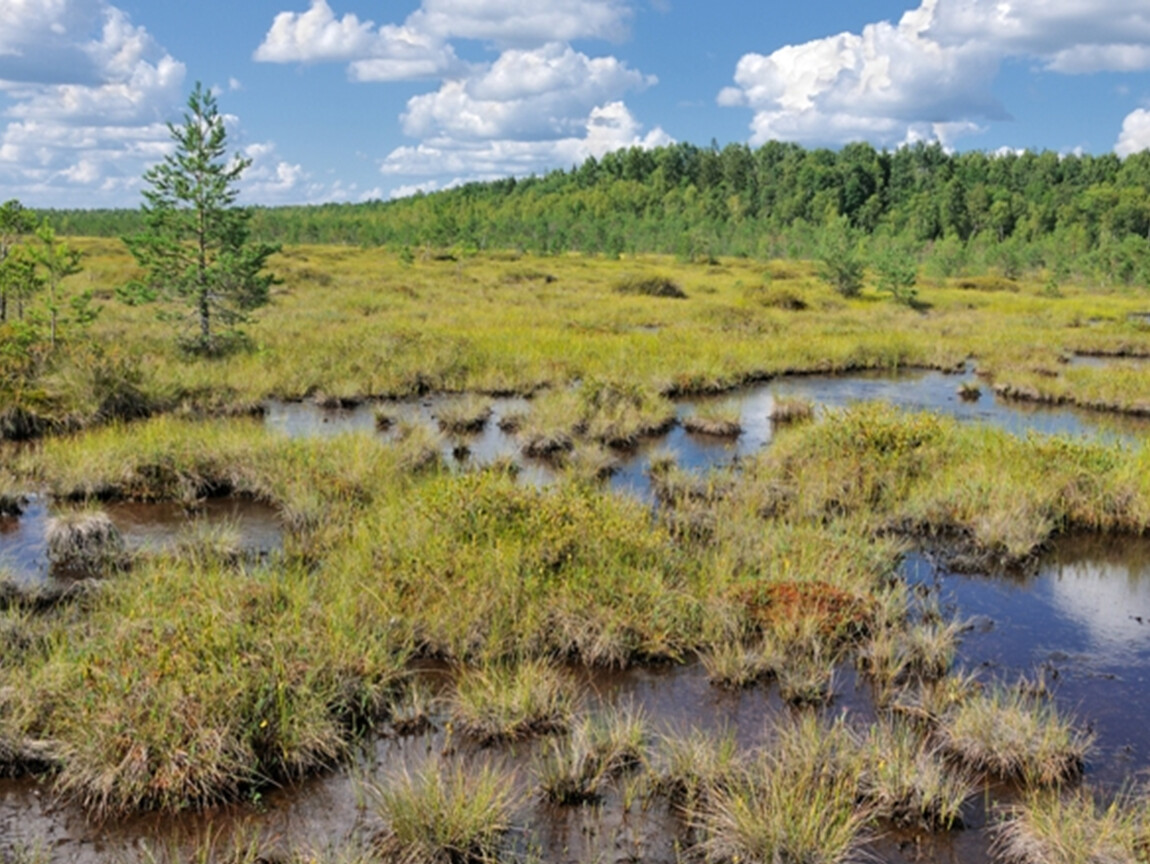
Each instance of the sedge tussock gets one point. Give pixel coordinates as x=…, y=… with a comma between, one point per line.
x=1010, y=733
x=1071, y=827
x=500, y=702
x=444, y=813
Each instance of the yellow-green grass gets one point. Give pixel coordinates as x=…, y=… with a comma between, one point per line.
x=576, y=768
x=1008, y=733
x=384, y=561
x=497, y=702
x=351, y=323
x=795, y=802
x=444, y=813
x=908, y=780
x=1072, y=827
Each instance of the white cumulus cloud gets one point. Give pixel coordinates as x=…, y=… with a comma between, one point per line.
x=605, y=128
x=86, y=94
x=540, y=103
x=930, y=76
x=1135, y=135
x=530, y=95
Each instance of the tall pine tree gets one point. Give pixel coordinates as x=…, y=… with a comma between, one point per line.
x=196, y=245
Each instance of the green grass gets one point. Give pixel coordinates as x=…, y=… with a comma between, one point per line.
x=796, y=803
x=444, y=813
x=1072, y=827
x=1008, y=733
x=497, y=702
x=908, y=780
x=576, y=768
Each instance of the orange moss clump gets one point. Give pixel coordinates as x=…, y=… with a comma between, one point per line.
x=840, y=613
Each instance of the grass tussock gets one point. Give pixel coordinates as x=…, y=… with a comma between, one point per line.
x=719, y=421
x=795, y=803
x=1010, y=733
x=650, y=286
x=792, y=409
x=271, y=672
x=500, y=702
x=1072, y=827
x=735, y=665
x=909, y=781
x=466, y=415
x=576, y=768
x=444, y=813
x=84, y=542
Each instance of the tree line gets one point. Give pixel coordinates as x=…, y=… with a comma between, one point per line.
x=1013, y=211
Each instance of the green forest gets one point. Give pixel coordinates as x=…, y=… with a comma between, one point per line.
x=1079, y=216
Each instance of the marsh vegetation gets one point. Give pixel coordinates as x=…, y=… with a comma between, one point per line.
x=466, y=618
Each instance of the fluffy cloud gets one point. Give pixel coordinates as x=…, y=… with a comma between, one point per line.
x=529, y=95
x=605, y=128
x=1135, y=136
x=538, y=104
x=931, y=75
x=524, y=22
x=388, y=53
x=87, y=95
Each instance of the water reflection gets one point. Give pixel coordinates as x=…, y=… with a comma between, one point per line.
x=145, y=527
x=1082, y=621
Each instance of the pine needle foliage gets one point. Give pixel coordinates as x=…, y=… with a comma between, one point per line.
x=195, y=246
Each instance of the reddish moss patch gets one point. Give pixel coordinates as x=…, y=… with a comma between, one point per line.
x=841, y=613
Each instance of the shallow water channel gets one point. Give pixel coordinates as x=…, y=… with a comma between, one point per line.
x=1081, y=619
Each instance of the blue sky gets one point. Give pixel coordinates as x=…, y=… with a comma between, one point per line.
x=350, y=99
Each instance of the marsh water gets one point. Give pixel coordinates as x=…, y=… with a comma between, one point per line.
x=1080, y=620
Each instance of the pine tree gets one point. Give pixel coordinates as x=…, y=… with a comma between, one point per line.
x=15, y=221
x=196, y=246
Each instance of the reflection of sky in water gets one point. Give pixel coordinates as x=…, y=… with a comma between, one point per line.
x=1074, y=620
x=146, y=527
x=1106, y=600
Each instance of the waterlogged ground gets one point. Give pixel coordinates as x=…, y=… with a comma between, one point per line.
x=912, y=390
x=145, y=528
x=1080, y=619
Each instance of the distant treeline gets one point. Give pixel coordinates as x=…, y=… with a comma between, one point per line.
x=1088, y=215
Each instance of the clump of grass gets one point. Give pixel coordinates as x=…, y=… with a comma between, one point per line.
x=1010, y=733
x=469, y=414
x=930, y=701
x=620, y=414
x=969, y=391
x=929, y=647
x=575, y=768
x=203, y=543
x=805, y=679
x=792, y=409
x=797, y=804
x=908, y=780
x=1070, y=828
x=590, y=463
x=720, y=421
x=384, y=419
x=650, y=286
x=695, y=766
x=411, y=711
x=735, y=664
x=84, y=541
x=419, y=446
x=498, y=702
x=444, y=814
x=548, y=429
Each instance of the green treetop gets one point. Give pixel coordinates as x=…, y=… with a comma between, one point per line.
x=195, y=247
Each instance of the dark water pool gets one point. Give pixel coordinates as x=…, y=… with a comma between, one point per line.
x=145, y=528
